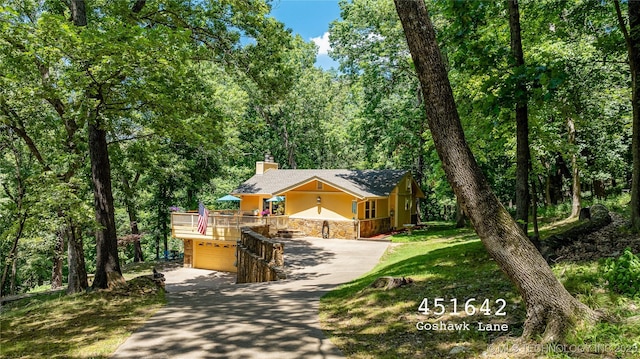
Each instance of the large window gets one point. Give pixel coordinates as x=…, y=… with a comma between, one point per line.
x=370, y=209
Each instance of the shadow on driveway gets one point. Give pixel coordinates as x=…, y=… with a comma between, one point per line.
x=208, y=316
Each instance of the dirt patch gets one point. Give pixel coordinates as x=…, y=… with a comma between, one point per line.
x=609, y=241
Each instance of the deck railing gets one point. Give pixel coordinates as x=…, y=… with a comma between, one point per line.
x=221, y=225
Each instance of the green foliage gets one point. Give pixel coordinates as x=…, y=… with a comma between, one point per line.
x=189, y=107
x=623, y=274
x=170, y=85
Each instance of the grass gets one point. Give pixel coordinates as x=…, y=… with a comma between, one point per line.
x=87, y=325
x=622, y=327
x=451, y=263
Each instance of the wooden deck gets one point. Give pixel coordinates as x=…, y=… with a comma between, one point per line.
x=221, y=226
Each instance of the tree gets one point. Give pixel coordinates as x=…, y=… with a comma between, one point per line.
x=369, y=44
x=523, y=157
x=17, y=197
x=129, y=67
x=632, y=40
x=36, y=125
x=108, y=271
x=580, y=125
x=551, y=310
x=129, y=179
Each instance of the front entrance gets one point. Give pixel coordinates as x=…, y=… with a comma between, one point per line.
x=215, y=255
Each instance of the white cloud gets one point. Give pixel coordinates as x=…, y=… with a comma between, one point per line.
x=323, y=43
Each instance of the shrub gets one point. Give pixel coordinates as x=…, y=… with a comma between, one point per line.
x=623, y=274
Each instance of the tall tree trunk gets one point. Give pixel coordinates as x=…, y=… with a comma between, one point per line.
x=632, y=39
x=421, y=160
x=460, y=215
x=157, y=247
x=78, y=12
x=559, y=171
x=534, y=207
x=576, y=195
x=58, y=248
x=14, y=274
x=138, y=256
x=522, y=120
x=551, y=310
x=133, y=215
x=547, y=190
x=290, y=147
x=634, y=24
x=108, y=271
x=161, y=219
x=22, y=215
x=420, y=178
x=11, y=258
x=164, y=238
x=77, y=278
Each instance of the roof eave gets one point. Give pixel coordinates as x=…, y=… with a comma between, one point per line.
x=316, y=178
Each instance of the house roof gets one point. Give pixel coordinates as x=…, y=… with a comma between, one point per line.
x=360, y=183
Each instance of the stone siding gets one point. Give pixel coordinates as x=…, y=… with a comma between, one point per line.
x=188, y=253
x=313, y=227
x=370, y=228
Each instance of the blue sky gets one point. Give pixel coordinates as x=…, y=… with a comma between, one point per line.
x=310, y=19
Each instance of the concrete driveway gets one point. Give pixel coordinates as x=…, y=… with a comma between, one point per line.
x=207, y=316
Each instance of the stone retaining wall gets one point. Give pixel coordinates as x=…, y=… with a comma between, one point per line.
x=259, y=258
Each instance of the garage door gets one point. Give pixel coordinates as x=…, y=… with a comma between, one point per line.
x=215, y=255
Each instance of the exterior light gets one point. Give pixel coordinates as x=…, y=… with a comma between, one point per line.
x=318, y=200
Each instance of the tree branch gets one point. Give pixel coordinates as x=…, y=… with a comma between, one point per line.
x=623, y=26
x=18, y=128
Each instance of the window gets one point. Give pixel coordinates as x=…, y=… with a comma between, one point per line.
x=319, y=185
x=370, y=209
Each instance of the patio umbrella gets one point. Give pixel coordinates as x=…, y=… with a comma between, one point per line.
x=276, y=199
x=228, y=198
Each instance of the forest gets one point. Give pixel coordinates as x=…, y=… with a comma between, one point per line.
x=113, y=114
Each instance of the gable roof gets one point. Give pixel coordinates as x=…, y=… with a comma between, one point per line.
x=360, y=183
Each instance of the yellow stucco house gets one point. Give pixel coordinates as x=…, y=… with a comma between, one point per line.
x=332, y=203
x=347, y=204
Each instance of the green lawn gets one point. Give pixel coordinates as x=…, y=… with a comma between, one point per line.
x=452, y=264
x=89, y=325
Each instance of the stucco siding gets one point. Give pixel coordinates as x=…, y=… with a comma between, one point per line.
x=250, y=203
x=313, y=186
x=333, y=205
